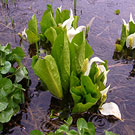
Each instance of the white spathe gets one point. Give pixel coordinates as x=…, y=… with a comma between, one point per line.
x=105, y=91
x=24, y=35
x=69, y=21
x=110, y=109
x=130, y=41
x=100, y=67
x=95, y=59
x=71, y=32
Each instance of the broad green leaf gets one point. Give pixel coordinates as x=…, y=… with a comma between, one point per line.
x=36, y=132
x=49, y=8
x=81, y=107
x=21, y=74
x=32, y=37
x=88, y=50
x=81, y=123
x=91, y=128
x=5, y=86
x=62, y=16
x=5, y=69
x=75, y=22
x=51, y=35
x=18, y=53
x=123, y=35
x=32, y=25
x=6, y=49
x=109, y=133
x=77, y=52
x=61, y=54
x=63, y=128
x=6, y=115
x=32, y=31
x=47, y=21
x=3, y=104
x=131, y=28
x=46, y=69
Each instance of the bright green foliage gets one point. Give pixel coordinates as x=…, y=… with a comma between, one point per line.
x=83, y=128
x=131, y=28
x=85, y=96
x=32, y=31
x=77, y=52
x=109, y=133
x=61, y=16
x=61, y=54
x=11, y=93
x=7, y=59
x=63, y=70
x=47, y=20
x=47, y=70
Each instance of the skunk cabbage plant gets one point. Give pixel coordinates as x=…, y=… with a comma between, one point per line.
x=69, y=68
x=127, y=35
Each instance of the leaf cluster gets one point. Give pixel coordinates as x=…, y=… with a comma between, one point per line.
x=50, y=26
x=12, y=71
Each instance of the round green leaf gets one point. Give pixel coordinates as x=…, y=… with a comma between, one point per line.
x=5, y=69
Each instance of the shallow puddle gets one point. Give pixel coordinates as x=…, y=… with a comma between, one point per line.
x=105, y=29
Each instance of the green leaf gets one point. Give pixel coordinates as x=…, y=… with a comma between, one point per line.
x=5, y=86
x=32, y=25
x=85, y=128
x=21, y=74
x=32, y=37
x=109, y=133
x=62, y=129
x=77, y=52
x=51, y=35
x=32, y=31
x=131, y=28
x=5, y=69
x=88, y=50
x=61, y=54
x=123, y=35
x=91, y=128
x=46, y=69
x=85, y=96
x=6, y=115
x=62, y=16
x=47, y=21
x=18, y=53
x=81, y=107
x=81, y=123
x=3, y=104
x=36, y=132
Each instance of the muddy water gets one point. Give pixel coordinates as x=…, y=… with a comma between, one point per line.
x=105, y=29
